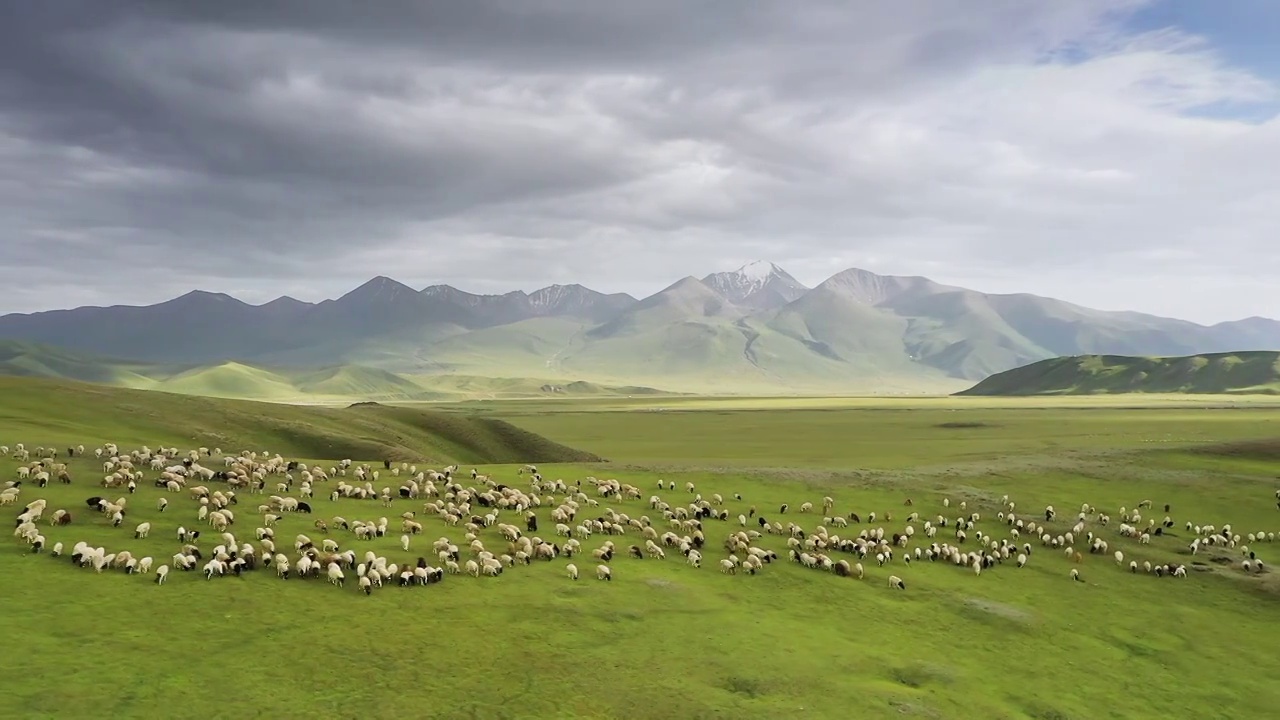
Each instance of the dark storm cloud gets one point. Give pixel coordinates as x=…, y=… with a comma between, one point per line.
x=301, y=146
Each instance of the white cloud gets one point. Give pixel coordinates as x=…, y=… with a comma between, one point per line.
x=1037, y=147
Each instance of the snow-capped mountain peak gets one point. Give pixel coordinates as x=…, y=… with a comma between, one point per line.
x=758, y=284
x=759, y=271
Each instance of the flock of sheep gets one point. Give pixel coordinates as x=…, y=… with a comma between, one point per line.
x=576, y=511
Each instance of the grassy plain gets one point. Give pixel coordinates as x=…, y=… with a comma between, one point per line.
x=664, y=640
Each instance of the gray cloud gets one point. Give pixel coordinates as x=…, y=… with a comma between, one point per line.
x=149, y=147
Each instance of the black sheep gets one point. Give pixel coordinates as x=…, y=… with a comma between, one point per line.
x=304, y=507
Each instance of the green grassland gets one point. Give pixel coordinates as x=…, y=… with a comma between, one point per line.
x=662, y=639
x=1247, y=373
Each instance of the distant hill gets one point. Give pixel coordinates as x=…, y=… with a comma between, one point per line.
x=1219, y=373
x=59, y=412
x=755, y=329
x=281, y=384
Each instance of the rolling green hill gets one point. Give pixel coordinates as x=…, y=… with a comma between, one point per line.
x=1220, y=373
x=285, y=384
x=60, y=412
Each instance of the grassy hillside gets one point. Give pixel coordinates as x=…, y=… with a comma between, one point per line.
x=56, y=412
x=1252, y=373
x=25, y=359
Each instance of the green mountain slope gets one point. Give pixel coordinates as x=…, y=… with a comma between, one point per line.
x=58, y=412
x=1219, y=373
x=526, y=347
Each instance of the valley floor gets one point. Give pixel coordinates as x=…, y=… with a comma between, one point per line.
x=666, y=640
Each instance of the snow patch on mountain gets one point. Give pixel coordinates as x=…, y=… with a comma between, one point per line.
x=758, y=284
x=759, y=271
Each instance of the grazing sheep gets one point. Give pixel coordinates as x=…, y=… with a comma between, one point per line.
x=1075, y=575
x=603, y=572
x=896, y=582
x=572, y=570
x=161, y=573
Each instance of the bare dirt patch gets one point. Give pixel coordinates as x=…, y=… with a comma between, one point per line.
x=1267, y=449
x=1001, y=610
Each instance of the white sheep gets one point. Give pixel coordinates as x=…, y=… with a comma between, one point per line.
x=161, y=573
x=572, y=570
x=603, y=572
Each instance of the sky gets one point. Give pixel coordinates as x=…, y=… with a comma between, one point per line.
x=1119, y=154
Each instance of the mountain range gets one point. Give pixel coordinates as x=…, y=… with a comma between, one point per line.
x=1244, y=373
x=753, y=329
